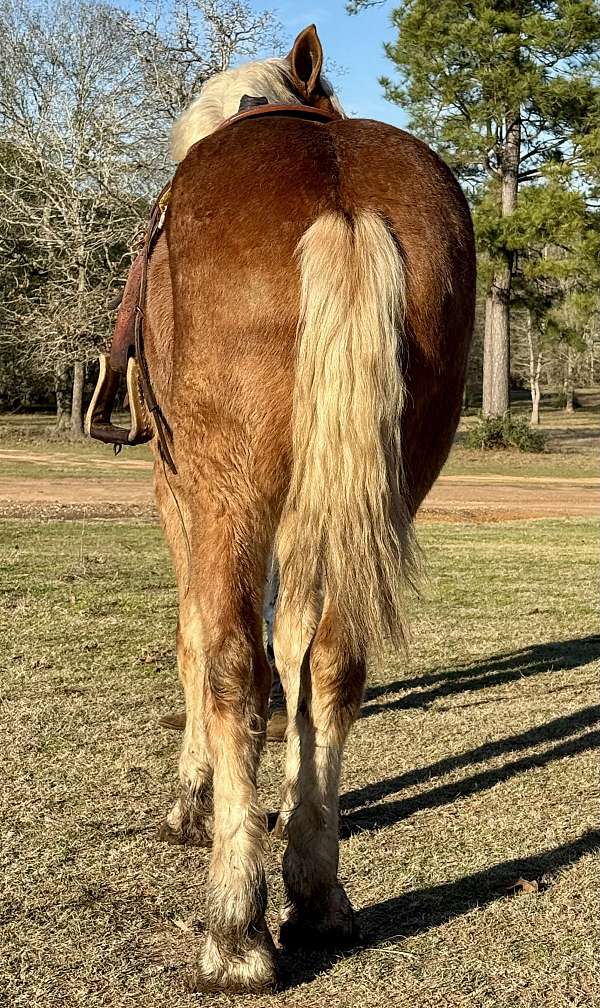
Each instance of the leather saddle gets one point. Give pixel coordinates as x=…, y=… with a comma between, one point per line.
x=125, y=359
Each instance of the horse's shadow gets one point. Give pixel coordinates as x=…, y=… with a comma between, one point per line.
x=415, y=912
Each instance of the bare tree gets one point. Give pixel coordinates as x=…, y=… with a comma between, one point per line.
x=80, y=173
x=181, y=45
x=535, y=368
x=87, y=94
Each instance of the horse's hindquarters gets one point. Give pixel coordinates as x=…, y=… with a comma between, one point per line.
x=241, y=204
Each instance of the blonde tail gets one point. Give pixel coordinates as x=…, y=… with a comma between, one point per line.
x=351, y=527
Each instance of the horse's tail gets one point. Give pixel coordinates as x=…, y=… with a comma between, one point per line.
x=346, y=512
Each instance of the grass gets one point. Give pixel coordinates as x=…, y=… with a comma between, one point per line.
x=571, y=447
x=471, y=462
x=473, y=765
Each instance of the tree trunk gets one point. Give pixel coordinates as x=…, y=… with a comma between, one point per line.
x=79, y=367
x=486, y=396
x=61, y=391
x=496, y=373
x=535, y=406
x=535, y=367
x=568, y=383
x=77, y=401
x=496, y=390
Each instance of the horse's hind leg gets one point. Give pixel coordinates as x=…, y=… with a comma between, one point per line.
x=189, y=821
x=227, y=585
x=330, y=691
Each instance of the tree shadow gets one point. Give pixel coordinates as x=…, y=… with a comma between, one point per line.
x=382, y=815
x=495, y=671
x=559, y=728
x=418, y=911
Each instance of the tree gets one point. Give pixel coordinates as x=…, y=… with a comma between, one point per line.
x=85, y=126
x=73, y=190
x=502, y=89
x=182, y=44
x=554, y=237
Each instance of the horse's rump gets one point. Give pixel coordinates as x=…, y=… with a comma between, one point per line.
x=242, y=201
x=361, y=225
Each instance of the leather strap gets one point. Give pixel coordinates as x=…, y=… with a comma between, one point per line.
x=289, y=111
x=162, y=427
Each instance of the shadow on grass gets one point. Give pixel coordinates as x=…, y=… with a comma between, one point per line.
x=415, y=912
x=559, y=728
x=495, y=671
x=382, y=815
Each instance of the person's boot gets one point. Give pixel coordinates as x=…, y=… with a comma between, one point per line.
x=175, y=720
x=276, y=724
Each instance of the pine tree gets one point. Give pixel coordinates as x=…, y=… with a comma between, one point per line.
x=502, y=89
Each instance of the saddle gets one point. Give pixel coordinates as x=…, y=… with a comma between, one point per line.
x=126, y=359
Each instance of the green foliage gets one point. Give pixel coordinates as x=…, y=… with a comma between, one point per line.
x=494, y=433
x=465, y=67
x=508, y=92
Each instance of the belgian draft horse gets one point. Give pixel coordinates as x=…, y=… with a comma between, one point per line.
x=309, y=311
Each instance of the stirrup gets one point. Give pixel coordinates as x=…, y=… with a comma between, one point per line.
x=98, y=424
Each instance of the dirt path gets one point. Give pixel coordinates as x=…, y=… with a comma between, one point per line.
x=501, y=498
x=462, y=498
x=65, y=460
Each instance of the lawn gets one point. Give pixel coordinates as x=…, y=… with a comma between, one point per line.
x=473, y=766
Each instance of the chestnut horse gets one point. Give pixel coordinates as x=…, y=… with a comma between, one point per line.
x=309, y=312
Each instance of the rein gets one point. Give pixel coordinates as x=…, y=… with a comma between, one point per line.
x=129, y=359
x=155, y=226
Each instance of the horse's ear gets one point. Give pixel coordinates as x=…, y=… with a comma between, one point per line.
x=306, y=61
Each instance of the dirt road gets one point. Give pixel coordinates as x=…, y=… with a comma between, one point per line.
x=456, y=498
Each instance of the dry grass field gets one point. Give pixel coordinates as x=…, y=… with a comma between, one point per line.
x=474, y=765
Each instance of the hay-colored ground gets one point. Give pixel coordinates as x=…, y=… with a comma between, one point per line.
x=473, y=765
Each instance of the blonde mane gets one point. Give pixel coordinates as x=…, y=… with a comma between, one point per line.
x=221, y=95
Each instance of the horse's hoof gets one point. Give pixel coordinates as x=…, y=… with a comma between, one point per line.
x=329, y=922
x=226, y=968
x=188, y=833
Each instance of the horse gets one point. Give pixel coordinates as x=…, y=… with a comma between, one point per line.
x=308, y=313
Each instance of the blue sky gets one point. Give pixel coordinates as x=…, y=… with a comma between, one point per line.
x=354, y=43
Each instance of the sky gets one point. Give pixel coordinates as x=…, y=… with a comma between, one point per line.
x=354, y=44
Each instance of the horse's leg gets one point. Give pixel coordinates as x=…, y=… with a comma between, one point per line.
x=292, y=633
x=330, y=691
x=238, y=952
x=189, y=819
